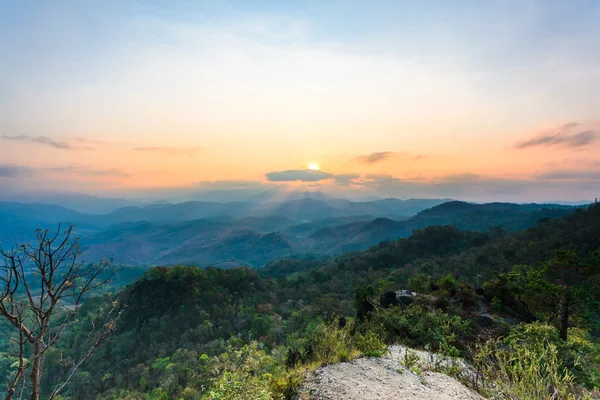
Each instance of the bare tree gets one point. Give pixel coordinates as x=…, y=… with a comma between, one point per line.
x=42, y=287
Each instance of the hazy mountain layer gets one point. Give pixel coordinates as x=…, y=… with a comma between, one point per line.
x=243, y=233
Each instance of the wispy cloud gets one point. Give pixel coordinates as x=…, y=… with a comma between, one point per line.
x=379, y=156
x=230, y=184
x=170, y=151
x=78, y=170
x=17, y=171
x=48, y=141
x=379, y=180
x=57, y=144
x=346, y=179
x=570, y=175
x=374, y=157
x=454, y=185
x=298, y=175
x=464, y=177
x=561, y=137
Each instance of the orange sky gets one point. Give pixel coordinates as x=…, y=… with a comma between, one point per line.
x=115, y=99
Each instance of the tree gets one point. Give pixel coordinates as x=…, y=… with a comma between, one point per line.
x=363, y=301
x=420, y=283
x=42, y=287
x=560, y=287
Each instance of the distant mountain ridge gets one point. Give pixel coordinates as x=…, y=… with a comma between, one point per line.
x=462, y=215
x=244, y=233
x=255, y=242
x=79, y=202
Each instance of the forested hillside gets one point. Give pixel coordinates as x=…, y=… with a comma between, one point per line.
x=175, y=320
x=438, y=250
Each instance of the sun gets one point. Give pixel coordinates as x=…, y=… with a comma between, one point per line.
x=313, y=167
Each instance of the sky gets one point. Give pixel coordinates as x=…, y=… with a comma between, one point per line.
x=474, y=100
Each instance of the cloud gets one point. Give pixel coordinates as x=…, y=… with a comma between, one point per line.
x=230, y=184
x=17, y=171
x=171, y=151
x=464, y=177
x=569, y=125
x=560, y=137
x=346, y=179
x=379, y=156
x=14, y=171
x=571, y=174
x=379, y=180
x=57, y=144
x=374, y=157
x=462, y=185
x=302, y=175
x=114, y=172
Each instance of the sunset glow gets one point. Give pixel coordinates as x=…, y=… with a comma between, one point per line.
x=426, y=101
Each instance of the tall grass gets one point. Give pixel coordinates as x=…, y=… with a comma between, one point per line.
x=525, y=373
x=532, y=363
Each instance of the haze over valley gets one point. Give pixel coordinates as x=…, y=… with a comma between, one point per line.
x=299, y=200
x=253, y=234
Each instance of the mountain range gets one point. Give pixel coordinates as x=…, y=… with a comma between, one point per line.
x=247, y=233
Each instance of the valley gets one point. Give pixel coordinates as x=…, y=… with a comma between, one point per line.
x=293, y=296
x=254, y=234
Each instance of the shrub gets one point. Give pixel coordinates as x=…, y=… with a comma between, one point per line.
x=370, y=344
x=578, y=354
x=419, y=283
x=448, y=285
x=496, y=304
x=412, y=361
x=244, y=373
x=467, y=295
x=329, y=344
x=420, y=327
x=533, y=363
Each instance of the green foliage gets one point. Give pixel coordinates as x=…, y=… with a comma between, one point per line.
x=533, y=363
x=370, y=344
x=578, y=354
x=421, y=327
x=328, y=344
x=556, y=290
x=466, y=295
x=448, y=284
x=412, y=361
x=363, y=301
x=496, y=304
x=190, y=333
x=419, y=283
x=244, y=373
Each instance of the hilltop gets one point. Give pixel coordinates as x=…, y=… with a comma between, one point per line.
x=186, y=331
x=174, y=315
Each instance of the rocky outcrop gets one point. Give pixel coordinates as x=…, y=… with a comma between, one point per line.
x=401, y=298
x=383, y=379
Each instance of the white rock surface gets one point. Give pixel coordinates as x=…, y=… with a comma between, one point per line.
x=383, y=379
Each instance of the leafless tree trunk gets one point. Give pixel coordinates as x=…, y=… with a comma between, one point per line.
x=35, y=282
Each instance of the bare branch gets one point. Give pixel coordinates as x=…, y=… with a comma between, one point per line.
x=34, y=280
x=107, y=329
